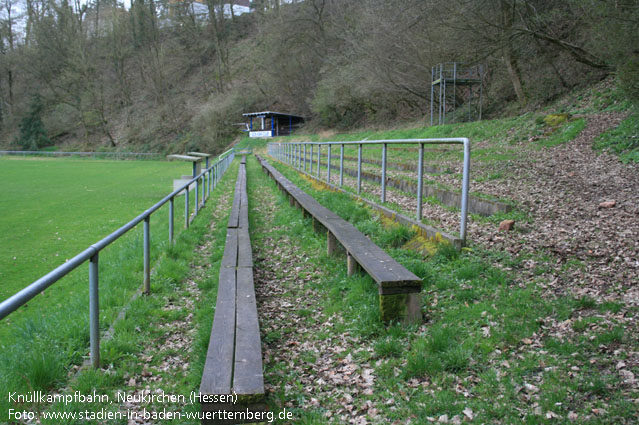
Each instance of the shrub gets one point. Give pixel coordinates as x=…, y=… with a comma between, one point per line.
x=628, y=77
x=33, y=135
x=215, y=124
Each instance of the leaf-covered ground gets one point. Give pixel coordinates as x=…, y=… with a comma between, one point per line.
x=513, y=332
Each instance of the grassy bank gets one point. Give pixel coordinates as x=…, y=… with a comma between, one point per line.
x=490, y=350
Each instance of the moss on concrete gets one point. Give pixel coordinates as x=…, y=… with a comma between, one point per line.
x=553, y=120
x=425, y=245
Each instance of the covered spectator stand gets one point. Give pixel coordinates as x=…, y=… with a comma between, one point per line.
x=272, y=124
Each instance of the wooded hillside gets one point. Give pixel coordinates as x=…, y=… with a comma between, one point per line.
x=159, y=77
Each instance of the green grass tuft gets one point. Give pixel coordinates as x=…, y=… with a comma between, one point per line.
x=396, y=237
x=622, y=140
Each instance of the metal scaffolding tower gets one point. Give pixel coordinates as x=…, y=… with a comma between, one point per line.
x=455, y=75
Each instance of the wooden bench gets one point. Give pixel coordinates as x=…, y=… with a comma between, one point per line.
x=398, y=288
x=234, y=359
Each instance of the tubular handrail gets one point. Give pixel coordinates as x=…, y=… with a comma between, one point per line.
x=225, y=154
x=294, y=154
x=442, y=141
x=210, y=177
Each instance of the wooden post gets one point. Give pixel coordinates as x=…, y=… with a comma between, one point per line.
x=351, y=265
x=331, y=243
x=405, y=308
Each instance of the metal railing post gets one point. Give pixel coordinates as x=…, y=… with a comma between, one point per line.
x=328, y=165
x=465, y=184
x=94, y=311
x=341, y=166
x=420, y=181
x=147, y=255
x=171, y=214
x=197, y=197
x=384, y=172
x=203, y=189
x=359, y=168
x=186, y=208
x=299, y=156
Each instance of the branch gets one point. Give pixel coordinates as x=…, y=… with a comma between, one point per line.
x=580, y=54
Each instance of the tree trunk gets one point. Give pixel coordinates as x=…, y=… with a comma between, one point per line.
x=508, y=55
x=513, y=73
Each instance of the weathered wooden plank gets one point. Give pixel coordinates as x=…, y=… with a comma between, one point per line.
x=217, y=375
x=248, y=377
x=229, y=258
x=244, y=213
x=188, y=158
x=405, y=288
x=234, y=217
x=244, y=204
x=234, y=359
x=202, y=154
x=244, y=254
x=391, y=276
x=244, y=220
x=377, y=263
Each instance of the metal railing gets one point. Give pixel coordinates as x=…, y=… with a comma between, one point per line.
x=295, y=154
x=456, y=70
x=206, y=181
x=116, y=155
